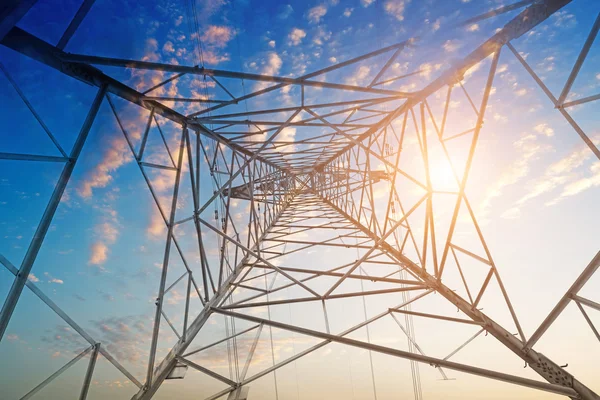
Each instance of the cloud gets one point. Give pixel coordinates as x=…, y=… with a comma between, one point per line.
x=52, y=279
x=33, y=278
x=218, y=35
x=316, y=13
x=544, y=129
x=285, y=12
x=348, y=12
x=271, y=43
x=12, y=336
x=168, y=47
x=321, y=36
x=395, y=8
x=561, y=173
x=296, y=35
x=271, y=67
x=114, y=157
x=332, y=60
x=528, y=149
x=98, y=253
x=580, y=185
x=359, y=76
x=450, y=46
x=366, y=3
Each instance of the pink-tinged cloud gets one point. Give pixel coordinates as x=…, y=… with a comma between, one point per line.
x=316, y=13
x=395, y=8
x=296, y=35
x=98, y=254
x=218, y=35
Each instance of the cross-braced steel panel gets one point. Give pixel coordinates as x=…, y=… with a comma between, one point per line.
x=358, y=180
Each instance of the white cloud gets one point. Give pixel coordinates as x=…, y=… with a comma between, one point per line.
x=271, y=43
x=218, y=35
x=332, y=60
x=348, y=12
x=359, y=76
x=451, y=46
x=316, y=13
x=366, y=3
x=271, y=67
x=544, y=129
x=33, y=278
x=296, y=36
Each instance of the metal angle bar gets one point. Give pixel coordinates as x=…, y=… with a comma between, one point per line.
x=307, y=76
x=588, y=320
x=562, y=303
x=581, y=101
x=83, y=10
x=222, y=87
x=31, y=157
x=140, y=154
x=251, y=352
x=207, y=371
x=21, y=278
x=385, y=67
x=331, y=297
x=220, y=341
x=135, y=64
x=325, y=342
x=146, y=164
x=30, y=107
x=162, y=312
x=363, y=277
x=473, y=255
x=185, y=100
x=68, y=320
x=415, y=343
x=89, y=373
x=549, y=387
x=57, y=373
x=554, y=101
x=580, y=59
x=441, y=317
x=479, y=332
x=497, y=11
x=167, y=253
x=12, y=13
x=589, y=303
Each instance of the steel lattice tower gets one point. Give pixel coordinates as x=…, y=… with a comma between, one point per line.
x=307, y=195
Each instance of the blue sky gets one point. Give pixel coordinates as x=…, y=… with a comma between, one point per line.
x=534, y=184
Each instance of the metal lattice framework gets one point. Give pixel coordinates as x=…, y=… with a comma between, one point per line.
x=302, y=195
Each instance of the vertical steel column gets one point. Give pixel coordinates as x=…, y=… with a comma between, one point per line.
x=89, y=373
x=163, y=278
x=19, y=283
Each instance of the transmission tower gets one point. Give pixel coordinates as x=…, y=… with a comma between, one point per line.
x=345, y=187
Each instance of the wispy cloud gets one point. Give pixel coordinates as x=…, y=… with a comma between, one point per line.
x=316, y=13
x=395, y=8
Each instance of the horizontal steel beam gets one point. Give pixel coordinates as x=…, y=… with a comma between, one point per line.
x=437, y=362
